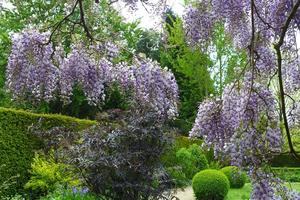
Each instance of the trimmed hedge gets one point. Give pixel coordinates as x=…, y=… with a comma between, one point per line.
x=210, y=184
x=17, y=145
x=285, y=160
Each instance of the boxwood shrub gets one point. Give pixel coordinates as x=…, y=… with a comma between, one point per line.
x=210, y=184
x=17, y=145
x=236, y=177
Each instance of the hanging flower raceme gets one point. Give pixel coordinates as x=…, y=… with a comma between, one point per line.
x=79, y=70
x=153, y=89
x=156, y=88
x=30, y=72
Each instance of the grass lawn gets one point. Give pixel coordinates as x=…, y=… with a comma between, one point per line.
x=244, y=193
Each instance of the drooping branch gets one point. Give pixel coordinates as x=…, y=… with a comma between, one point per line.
x=58, y=24
x=277, y=47
x=83, y=22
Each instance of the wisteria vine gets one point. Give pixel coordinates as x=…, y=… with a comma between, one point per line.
x=36, y=72
x=244, y=124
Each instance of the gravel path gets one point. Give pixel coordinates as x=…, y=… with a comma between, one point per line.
x=186, y=194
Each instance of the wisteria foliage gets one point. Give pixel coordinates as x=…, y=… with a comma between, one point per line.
x=243, y=124
x=36, y=72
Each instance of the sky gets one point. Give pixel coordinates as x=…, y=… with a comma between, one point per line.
x=148, y=19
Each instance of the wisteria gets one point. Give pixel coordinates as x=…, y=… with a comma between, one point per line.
x=37, y=72
x=244, y=124
x=151, y=86
x=78, y=69
x=30, y=71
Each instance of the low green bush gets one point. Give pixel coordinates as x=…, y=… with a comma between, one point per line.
x=169, y=158
x=198, y=156
x=17, y=144
x=236, y=177
x=192, y=160
x=210, y=184
x=47, y=174
x=70, y=194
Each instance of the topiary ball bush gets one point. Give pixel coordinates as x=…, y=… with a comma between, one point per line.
x=210, y=184
x=236, y=177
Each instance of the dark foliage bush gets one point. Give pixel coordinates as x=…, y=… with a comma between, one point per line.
x=210, y=184
x=123, y=163
x=17, y=144
x=236, y=177
x=121, y=160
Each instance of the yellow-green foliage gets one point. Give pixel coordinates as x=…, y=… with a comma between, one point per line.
x=46, y=175
x=17, y=145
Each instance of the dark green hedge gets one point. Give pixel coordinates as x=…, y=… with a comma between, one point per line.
x=17, y=145
x=285, y=160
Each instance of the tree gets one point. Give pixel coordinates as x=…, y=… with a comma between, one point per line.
x=225, y=58
x=191, y=69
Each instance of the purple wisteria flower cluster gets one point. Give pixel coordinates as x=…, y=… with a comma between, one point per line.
x=30, y=72
x=37, y=72
x=243, y=124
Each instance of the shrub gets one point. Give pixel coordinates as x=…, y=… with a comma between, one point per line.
x=169, y=158
x=178, y=178
x=210, y=184
x=69, y=194
x=236, y=177
x=17, y=145
x=123, y=162
x=46, y=175
x=285, y=160
x=198, y=156
x=192, y=160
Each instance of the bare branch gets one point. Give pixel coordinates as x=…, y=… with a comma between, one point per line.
x=82, y=20
x=58, y=24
